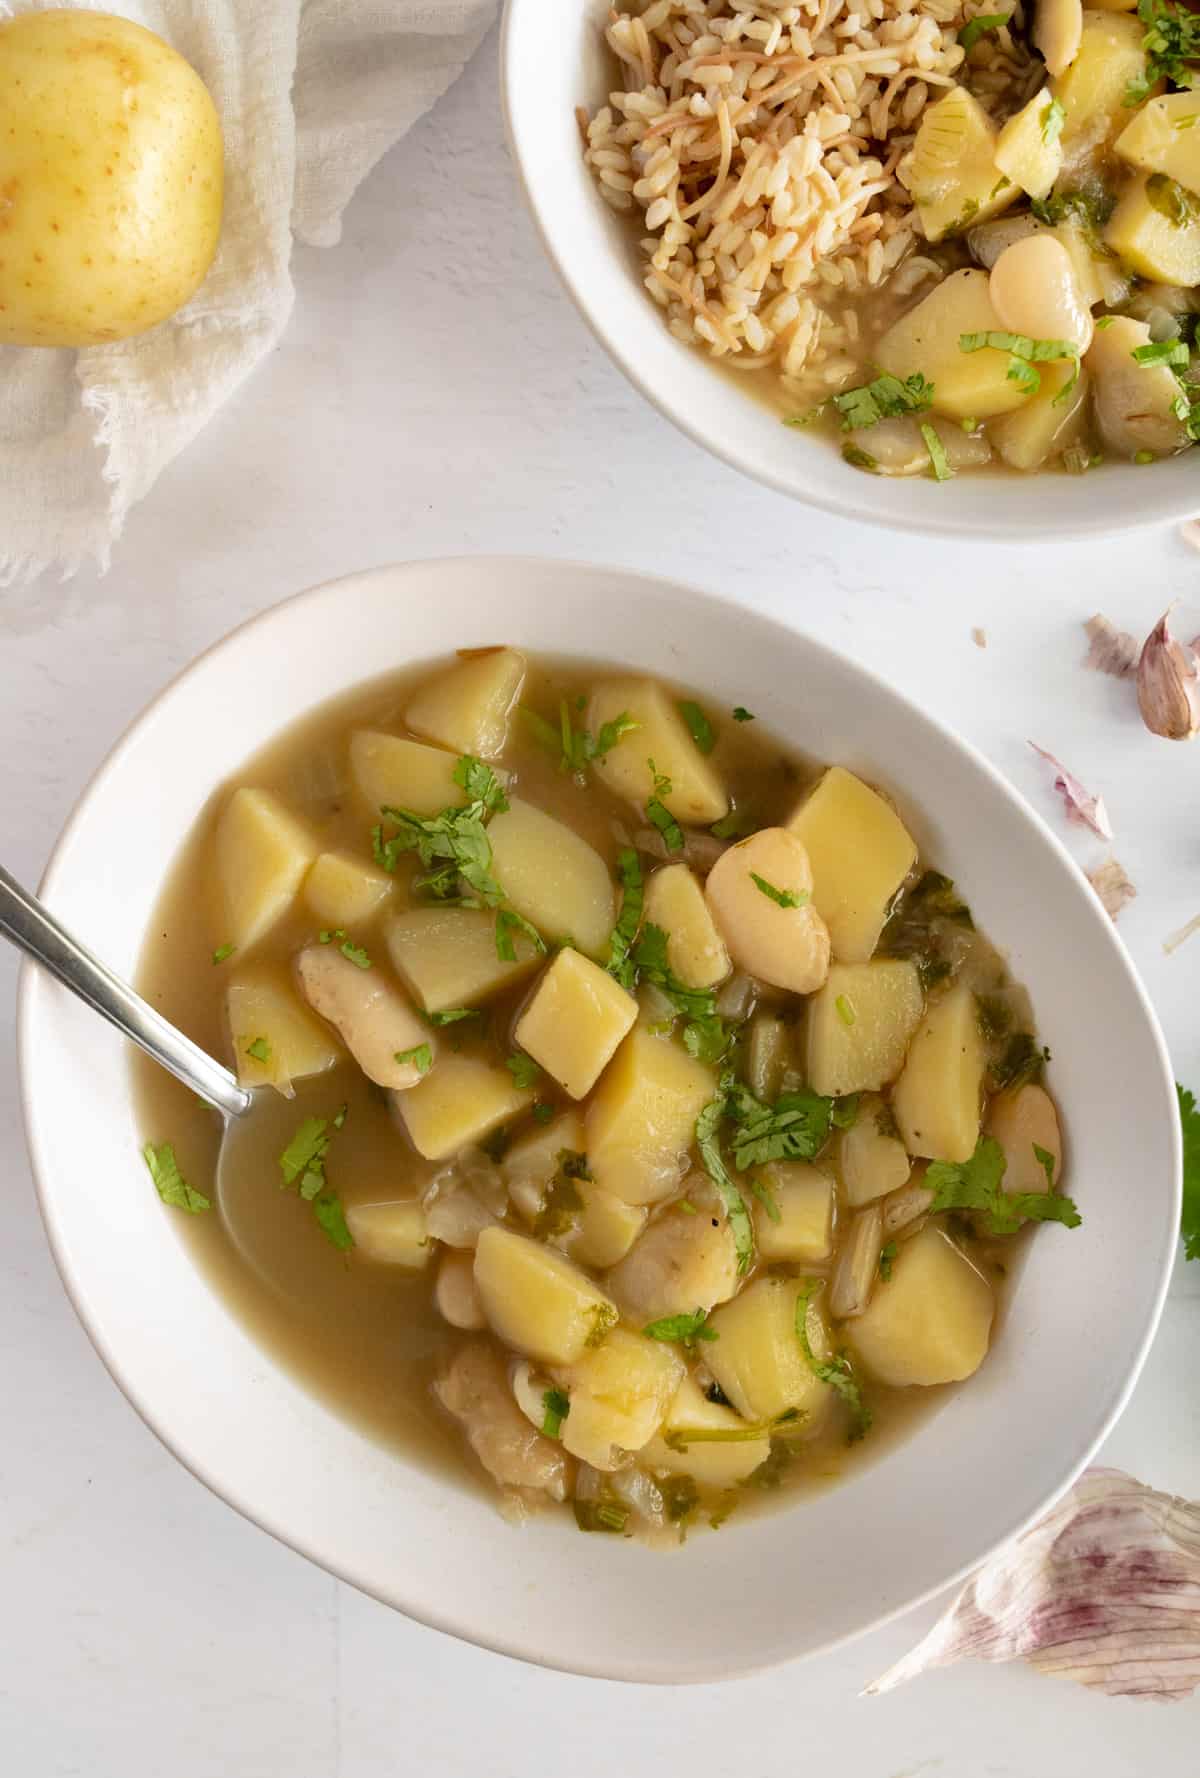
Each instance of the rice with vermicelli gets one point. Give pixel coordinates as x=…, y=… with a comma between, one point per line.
x=760, y=143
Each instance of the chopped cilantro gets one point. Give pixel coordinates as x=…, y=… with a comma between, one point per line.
x=766, y=1198
x=1172, y=200
x=1172, y=40
x=699, y=727
x=977, y=1184
x=601, y=1515
x=837, y=1371
x=543, y=732
x=708, y=1141
x=302, y=1162
x=884, y=399
x=420, y=1055
x=681, y=1497
x=939, y=463
x=609, y=733
x=795, y=1128
x=524, y=1071
x=1189, y=1117
x=1170, y=352
x=451, y=1015
x=331, y=1220
x=887, y=1259
x=659, y=815
x=453, y=847
x=1054, y=116
x=844, y=1010
x=604, y=1318
x=1023, y=1060
x=784, y=898
x=1045, y=1161
x=169, y=1182
x=844, y=1114
x=1024, y=353
x=557, y=1406
x=222, y=952
x=707, y=1038
x=983, y=22
x=741, y=714
x=578, y=748
x=687, y=1329
x=621, y=939
x=735, y=824
x=857, y=458
x=543, y=1113
x=993, y=1016
x=331, y=932
x=260, y=1049
x=561, y=1208
x=508, y=922
x=355, y=954
x=481, y=784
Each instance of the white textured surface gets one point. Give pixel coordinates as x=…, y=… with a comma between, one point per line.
x=435, y=394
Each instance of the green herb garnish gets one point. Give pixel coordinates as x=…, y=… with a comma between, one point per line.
x=604, y=1318
x=623, y=934
x=543, y=1113
x=524, y=1071
x=699, y=727
x=977, y=1185
x=579, y=748
x=1172, y=200
x=741, y=714
x=734, y=825
x=331, y=1220
x=169, y=1182
x=784, y=898
x=1053, y=118
x=1024, y=353
x=795, y=1128
x=844, y=1010
x=687, y=1329
x=557, y=1406
x=887, y=1259
x=1170, y=352
x=355, y=954
x=1172, y=40
x=659, y=815
x=508, y=923
x=260, y=1049
x=970, y=33
x=420, y=1055
x=837, y=1371
x=451, y=1015
x=857, y=458
x=884, y=399
x=939, y=463
x=222, y=952
x=707, y=1038
x=1189, y=1118
x=302, y=1162
x=708, y=1141
x=481, y=784
x=1023, y=1060
x=601, y=1515
x=453, y=847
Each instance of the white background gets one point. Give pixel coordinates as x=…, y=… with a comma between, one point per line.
x=436, y=394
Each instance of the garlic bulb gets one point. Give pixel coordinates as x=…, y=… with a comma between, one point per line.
x=1168, y=685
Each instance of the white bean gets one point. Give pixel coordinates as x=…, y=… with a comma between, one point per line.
x=1034, y=292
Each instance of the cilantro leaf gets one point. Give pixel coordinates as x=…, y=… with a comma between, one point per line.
x=837, y=1371
x=420, y=1055
x=659, y=815
x=453, y=847
x=699, y=727
x=795, y=1128
x=983, y=22
x=708, y=1125
x=1024, y=353
x=222, y=952
x=741, y=714
x=977, y=1184
x=685, y=1328
x=1172, y=40
x=451, y=1015
x=623, y=934
x=302, y=1162
x=650, y=959
x=524, y=1071
x=557, y=1406
x=1190, y=1225
x=355, y=954
x=480, y=783
x=784, y=898
x=707, y=1038
x=169, y=1182
x=543, y=1113
x=939, y=462
x=1170, y=352
x=609, y=733
x=260, y=1049
x=1053, y=118
x=733, y=826
x=578, y=748
x=884, y=399
x=845, y=1011
x=1023, y=1061
x=331, y=1220
x=887, y=1259
x=508, y=922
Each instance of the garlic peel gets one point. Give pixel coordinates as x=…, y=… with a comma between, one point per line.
x=1112, y=885
x=1110, y=650
x=1081, y=804
x=1104, y=1590
x=1168, y=684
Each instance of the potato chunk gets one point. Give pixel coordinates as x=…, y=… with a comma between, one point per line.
x=1155, y=231
x=1022, y=1122
x=951, y=168
x=937, y=1098
x=926, y=340
x=1092, y=90
x=1161, y=138
x=619, y=1393
x=468, y=706
x=535, y=1300
x=531, y=1164
x=447, y=956
x=642, y=1120
x=345, y=891
x=713, y=1464
x=262, y=1011
x=574, y=1022
x=1057, y=32
x=262, y=854
x=553, y=877
x=405, y=774
x=872, y=1161
x=695, y=950
x=606, y=1229
x=1047, y=424
x=461, y=1101
x=681, y=1263
x=697, y=794
x=805, y=1199
x=931, y=1322
x=860, y=852
x=757, y=1357
x=1022, y=149
x=369, y=1014
x=1134, y=403
x=772, y=932
x=395, y=1234
x=861, y=1023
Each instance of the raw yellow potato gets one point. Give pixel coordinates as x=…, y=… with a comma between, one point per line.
x=860, y=1025
x=263, y=853
x=605, y=1229
x=259, y=1006
x=675, y=901
x=393, y=1233
x=111, y=168
x=467, y=707
x=531, y=1163
x=712, y=1463
x=1134, y=403
x=973, y=385
x=1022, y=1122
x=872, y=1160
x=454, y=1292
x=930, y=1323
x=860, y=852
x=619, y=1392
x=757, y=1357
x=553, y=877
x=697, y=794
x=1022, y=149
x=804, y=1198
x=1057, y=33
x=1092, y=90
x=345, y=891
x=1034, y=292
x=642, y=1118
x=535, y=1300
x=768, y=1053
x=447, y=956
x=369, y=1014
x=937, y=1099
x=461, y=1101
x=1161, y=138
x=1155, y=230
x=682, y=1263
x=951, y=168
x=1046, y=425
x=574, y=1022
x=406, y=774
x=786, y=945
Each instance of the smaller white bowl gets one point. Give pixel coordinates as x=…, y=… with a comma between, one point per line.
x=553, y=60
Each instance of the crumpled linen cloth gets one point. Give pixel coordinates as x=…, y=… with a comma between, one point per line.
x=311, y=93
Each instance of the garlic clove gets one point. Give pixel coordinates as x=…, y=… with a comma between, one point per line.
x=1168, y=685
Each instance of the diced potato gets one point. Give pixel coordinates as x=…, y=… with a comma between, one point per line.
x=695, y=951
x=1092, y=90
x=535, y=1300
x=1057, y=33
x=682, y=1263
x=263, y=853
x=871, y=1158
x=1046, y=425
x=804, y=1198
x=369, y=1014
x=1022, y=149
x=405, y=774
x=937, y=1099
x=860, y=852
x=345, y=891
x=972, y=385
x=394, y=1234
x=642, y=1119
x=1022, y=1122
x=757, y=1357
x=606, y=1229
x=531, y=1163
x=467, y=708
x=768, y=1053
x=261, y=1010
x=931, y=1322
x=951, y=168
x=447, y=956
x=860, y=1025
x=781, y=941
x=461, y=1101
x=619, y=1393
x=715, y=1463
x=697, y=794
x=553, y=877
x=1161, y=138
x=574, y=1022
x=454, y=1292
x=1150, y=238
x=1134, y=403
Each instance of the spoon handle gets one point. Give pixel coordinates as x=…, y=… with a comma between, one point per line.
x=34, y=930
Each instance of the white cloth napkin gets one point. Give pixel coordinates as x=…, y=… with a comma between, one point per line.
x=311, y=94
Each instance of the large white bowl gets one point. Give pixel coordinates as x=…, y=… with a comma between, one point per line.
x=1083, y=1310
x=553, y=59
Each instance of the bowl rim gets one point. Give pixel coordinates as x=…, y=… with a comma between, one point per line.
x=1110, y=518
x=520, y=1646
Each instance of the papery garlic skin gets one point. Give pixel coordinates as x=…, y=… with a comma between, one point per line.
x=1168, y=685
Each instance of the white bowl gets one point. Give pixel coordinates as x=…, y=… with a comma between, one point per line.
x=553, y=59
x=785, y=1584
